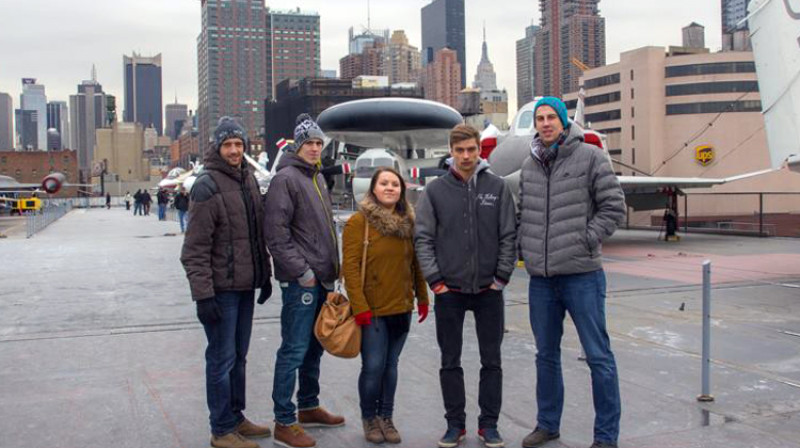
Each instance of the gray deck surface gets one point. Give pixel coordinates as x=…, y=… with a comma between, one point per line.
x=100, y=346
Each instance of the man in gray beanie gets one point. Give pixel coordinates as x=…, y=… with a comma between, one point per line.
x=302, y=237
x=227, y=218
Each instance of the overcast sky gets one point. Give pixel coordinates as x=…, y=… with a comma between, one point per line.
x=57, y=41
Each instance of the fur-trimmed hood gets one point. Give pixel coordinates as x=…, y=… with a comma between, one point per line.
x=387, y=222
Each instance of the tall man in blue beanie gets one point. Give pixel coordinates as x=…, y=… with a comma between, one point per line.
x=569, y=202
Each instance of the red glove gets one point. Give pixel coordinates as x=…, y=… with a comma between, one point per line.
x=364, y=318
x=422, y=310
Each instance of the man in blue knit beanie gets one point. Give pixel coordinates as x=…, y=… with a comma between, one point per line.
x=570, y=201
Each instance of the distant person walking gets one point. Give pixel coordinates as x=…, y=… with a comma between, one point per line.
x=163, y=199
x=137, y=202
x=127, y=200
x=227, y=219
x=383, y=302
x=182, y=206
x=146, y=201
x=569, y=202
x=108, y=201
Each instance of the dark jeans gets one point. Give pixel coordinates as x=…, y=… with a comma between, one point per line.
x=300, y=352
x=162, y=212
x=584, y=296
x=380, y=353
x=488, y=309
x=137, y=208
x=226, y=357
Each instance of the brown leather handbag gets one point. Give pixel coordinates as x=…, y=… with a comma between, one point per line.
x=336, y=328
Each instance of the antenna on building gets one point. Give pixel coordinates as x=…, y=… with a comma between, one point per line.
x=484, y=31
x=369, y=25
x=94, y=73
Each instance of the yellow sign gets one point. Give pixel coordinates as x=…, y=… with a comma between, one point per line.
x=704, y=154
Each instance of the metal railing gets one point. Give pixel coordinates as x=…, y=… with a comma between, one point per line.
x=50, y=213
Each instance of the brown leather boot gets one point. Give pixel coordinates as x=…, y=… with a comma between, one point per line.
x=232, y=440
x=250, y=429
x=390, y=433
x=372, y=430
x=293, y=436
x=319, y=417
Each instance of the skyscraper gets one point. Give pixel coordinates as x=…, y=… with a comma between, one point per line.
x=143, y=90
x=177, y=115
x=402, y=61
x=443, y=78
x=485, y=77
x=27, y=123
x=231, y=64
x=357, y=43
x=443, y=27
x=34, y=99
x=58, y=119
x=570, y=30
x=293, y=46
x=6, y=118
x=735, y=37
x=88, y=112
x=526, y=49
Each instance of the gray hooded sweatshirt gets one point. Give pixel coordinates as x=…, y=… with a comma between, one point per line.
x=465, y=231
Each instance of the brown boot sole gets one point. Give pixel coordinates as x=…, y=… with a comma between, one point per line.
x=321, y=425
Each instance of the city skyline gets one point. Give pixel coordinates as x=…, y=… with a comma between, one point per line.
x=61, y=52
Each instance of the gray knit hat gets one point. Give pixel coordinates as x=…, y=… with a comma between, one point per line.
x=227, y=128
x=305, y=130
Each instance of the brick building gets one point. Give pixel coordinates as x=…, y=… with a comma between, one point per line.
x=32, y=166
x=443, y=78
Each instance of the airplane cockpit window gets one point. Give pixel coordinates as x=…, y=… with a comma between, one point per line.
x=525, y=120
x=365, y=167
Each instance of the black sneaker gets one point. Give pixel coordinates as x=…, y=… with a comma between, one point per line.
x=538, y=437
x=597, y=444
x=491, y=438
x=452, y=437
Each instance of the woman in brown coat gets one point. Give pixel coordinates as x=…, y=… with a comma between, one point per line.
x=383, y=304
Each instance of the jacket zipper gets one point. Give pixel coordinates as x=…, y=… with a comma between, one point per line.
x=474, y=218
x=255, y=253
x=547, y=222
x=327, y=219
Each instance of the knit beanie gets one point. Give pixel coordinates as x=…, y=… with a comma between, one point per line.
x=228, y=128
x=305, y=130
x=557, y=105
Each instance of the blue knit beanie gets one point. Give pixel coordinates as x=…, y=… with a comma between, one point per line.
x=557, y=105
x=228, y=128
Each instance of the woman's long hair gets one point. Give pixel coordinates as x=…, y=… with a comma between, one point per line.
x=402, y=206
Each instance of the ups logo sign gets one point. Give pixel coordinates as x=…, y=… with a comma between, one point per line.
x=704, y=155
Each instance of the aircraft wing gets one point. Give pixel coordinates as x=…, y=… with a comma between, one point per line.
x=775, y=35
x=654, y=184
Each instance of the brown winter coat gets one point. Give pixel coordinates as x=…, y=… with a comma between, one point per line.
x=393, y=276
x=224, y=248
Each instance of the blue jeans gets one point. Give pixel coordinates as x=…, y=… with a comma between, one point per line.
x=182, y=218
x=300, y=352
x=226, y=358
x=380, y=353
x=162, y=212
x=583, y=295
x=137, y=208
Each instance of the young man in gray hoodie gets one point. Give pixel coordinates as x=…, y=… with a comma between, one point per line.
x=465, y=233
x=302, y=238
x=569, y=202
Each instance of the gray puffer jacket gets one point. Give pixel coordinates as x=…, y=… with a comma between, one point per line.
x=564, y=217
x=299, y=222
